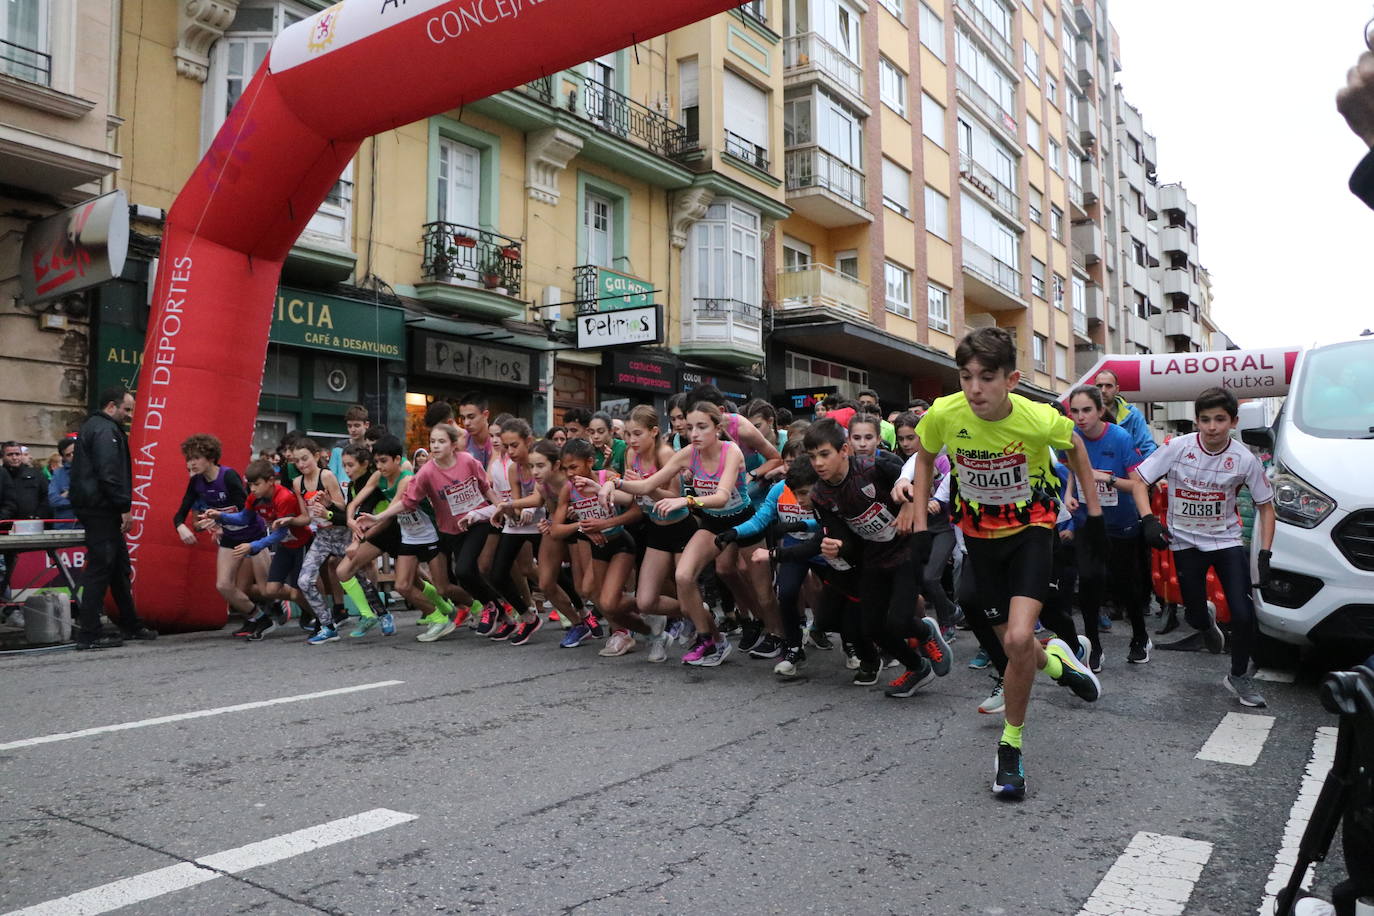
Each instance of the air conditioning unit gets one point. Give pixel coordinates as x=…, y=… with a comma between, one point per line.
x=551, y=307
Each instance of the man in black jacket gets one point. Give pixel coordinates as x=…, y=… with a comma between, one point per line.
x=102, y=494
x=25, y=496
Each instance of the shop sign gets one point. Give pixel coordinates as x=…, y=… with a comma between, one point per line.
x=620, y=328
x=795, y=399
x=306, y=319
x=732, y=386
x=615, y=291
x=453, y=357
x=642, y=373
x=75, y=249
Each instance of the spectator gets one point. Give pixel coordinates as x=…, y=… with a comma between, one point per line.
x=59, y=487
x=28, y=489
x=102, y=494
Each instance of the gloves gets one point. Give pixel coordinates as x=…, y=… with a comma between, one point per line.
x=793, y=527
x=921, y=542
x=726, y=538
x=1154, y=532
x=1265, y=574
x=1092, y=547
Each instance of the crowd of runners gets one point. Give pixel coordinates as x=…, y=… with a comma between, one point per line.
x=711, y=534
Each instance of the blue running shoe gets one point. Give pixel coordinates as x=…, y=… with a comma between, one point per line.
x=576, y=636
x=980, y=661
x=325, y=634
x=365, y=625
x=1104, y=623
x=388, y=624
x=1010, y=781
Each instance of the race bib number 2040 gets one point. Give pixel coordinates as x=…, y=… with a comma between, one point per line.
x=1000, y=481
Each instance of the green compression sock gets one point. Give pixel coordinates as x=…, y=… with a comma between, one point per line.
x=354, y=589
x=441, y=604
x=1053, y=666
x=1011, y=734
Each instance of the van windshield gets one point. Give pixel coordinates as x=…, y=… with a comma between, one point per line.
x=1336, y=400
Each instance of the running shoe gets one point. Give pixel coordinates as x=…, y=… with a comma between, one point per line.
x=366, y=624
x=310, y=624
x=620, y=643
x=1010, y=781
x=1076, y=676
x=1104, y=623
x=576, y=636
x=1212, y=637
x=769, y=646
x=1095, y=659
x=703, y=647
x=487, y=622
x=980, y=660
x=1039, y=627
x=1140, y=652
x=936, y=648
x=436, y=631
x=1243, y=687
x=949, y=633
x=526, y=629
x=1313, y=906
x=598, y=631
x=1085, y=648
x=719, y=653
x=431, y=618
x=262, y=627
x=246, y=631
x=658, y=648
x=912, y=680
x=818, y=638
x=851, y=657
x=751, y=632
x=996, y=702
x=461, y=616
x=865, y=677
x=563, y=621
x=326, y=634
x=678, y=632
x=389, y=624
x=504, y=631
x=791, y=662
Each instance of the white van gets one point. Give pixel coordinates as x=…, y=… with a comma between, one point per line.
x=1323, y=473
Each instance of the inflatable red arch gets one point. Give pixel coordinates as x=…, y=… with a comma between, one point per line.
x=353, y=70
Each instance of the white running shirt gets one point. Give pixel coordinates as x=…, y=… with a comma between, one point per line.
x=1203, y=488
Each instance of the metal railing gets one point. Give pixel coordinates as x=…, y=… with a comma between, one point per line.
x=991, y=268
x=745, y=313
x=822, y=286
x=463, y=254
x=619, y=115
x=1080, y=322
x=754, y=10
x=746, y=151
x=980, y=97
x=541, y=89
x=983, y=179
x=1000, y=43
x=1075, y=193
x=809, y=49
x=813, y=167
x=26, y=63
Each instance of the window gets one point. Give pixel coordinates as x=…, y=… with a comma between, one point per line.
x=1080, y=297
x=998, y=97
x=24, y=28
x=937, y=307
x=1038, y=342
x=1138, y=252
x=991, y=245
x=598, y=220
x=1032, y=64
x=937, y=213
x=896, y=187
x=847, y=263
x=1047, y=19
x=801, y=371
x=754, y=10
x=1056, y=223
x=1037, y=206
x=933, y=120
x=689, y=95
x=726, y=259
x=895, y=8
x=1059, y=292
x=932, y=30
x=1051, y=90
x=1055, y=155
x=892, y=86
x=1038, y=277
x=796, y=254
x=898, y=283
x=1033, y=134
x=458, y=187
x=1061, y=361
x=746, y=121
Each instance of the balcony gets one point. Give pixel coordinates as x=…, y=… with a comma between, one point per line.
x=980, y=98
x=1089, y=175
x=1182, y=324
x=1178, y=281
x=998, y=43
x=726, y=330
x=1173, y=239
x=1088, y=236
x=1082, y=17
x=824, y=189
x=1086, y=118
x=1076, y=199
x=990, y=185
x=818, y=287
x=475, y=271
x=808, y=56
x=608, y=111
x=1173, y=197
x=27, y=64
x=1095, y=305
x=1080, y=260
x=1080, y=324
x=990, y=283
x=746, y=151
x=1138, y=330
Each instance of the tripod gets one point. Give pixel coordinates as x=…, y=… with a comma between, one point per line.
x=1349, y=694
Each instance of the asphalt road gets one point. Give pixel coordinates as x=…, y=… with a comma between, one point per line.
x=541, y=780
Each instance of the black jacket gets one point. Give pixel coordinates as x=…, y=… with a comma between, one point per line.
x=6, y=497
x=102, y=475
x=26, y=493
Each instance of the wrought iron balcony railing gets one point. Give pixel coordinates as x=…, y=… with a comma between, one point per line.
x=26, y=63
x=813, y=167
x=617, y=114
x=746, y=151
x=471, y=257
x=744, y=313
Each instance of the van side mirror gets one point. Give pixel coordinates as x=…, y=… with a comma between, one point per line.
x=1254, y=426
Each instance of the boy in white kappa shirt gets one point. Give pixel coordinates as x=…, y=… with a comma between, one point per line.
x=1206, y=470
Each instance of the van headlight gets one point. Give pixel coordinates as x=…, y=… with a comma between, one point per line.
x=1297, y=502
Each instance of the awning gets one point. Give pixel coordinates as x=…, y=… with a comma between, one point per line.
x=489, y=333
x=870, y=348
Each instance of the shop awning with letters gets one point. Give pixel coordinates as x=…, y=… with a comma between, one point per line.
x=870, y=347
x=486, y=333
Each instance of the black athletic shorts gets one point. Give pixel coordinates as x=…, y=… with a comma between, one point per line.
x=425, y=552
x=286, y=565
x=1004, y=568
x=623, y=542
x=716, y=524
x=387, y=540
x=671, y=538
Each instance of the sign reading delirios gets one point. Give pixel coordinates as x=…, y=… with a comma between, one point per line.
x=621, y=327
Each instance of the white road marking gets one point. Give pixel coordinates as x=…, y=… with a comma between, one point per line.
x=1238, y=739
x=1323, y=755
x=1153, y=877
x=148, y=885
x=1273, y=674
x=197, y=714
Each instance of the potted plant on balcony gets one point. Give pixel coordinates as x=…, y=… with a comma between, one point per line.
x=492, y=272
